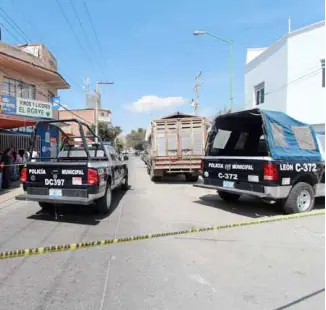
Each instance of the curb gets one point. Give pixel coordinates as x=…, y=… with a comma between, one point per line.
x=11, y=194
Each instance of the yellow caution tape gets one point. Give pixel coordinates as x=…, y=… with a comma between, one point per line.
x=13, y=165
x=82, y=245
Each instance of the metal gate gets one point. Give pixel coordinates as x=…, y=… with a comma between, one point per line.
x=20, y=142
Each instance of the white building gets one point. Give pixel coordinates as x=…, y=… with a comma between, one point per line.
x=289, y=76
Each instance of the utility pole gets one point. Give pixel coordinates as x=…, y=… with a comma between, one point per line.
x=98, y=98
x=196, y=88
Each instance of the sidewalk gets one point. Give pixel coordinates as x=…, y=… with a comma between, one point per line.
x=11, y=193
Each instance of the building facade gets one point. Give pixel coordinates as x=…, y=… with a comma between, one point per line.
x=87, y=116
x=289, y=76
x=29, y=81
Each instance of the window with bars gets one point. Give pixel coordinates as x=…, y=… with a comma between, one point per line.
x=260, y=93
x=17, y=88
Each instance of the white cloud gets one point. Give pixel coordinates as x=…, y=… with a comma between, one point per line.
x=150, y=103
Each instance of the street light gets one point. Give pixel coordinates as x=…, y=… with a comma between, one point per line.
x=97, y=102
x=230, y=42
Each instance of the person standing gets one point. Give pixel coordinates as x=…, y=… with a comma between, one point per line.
x=19, y=160
x=7, y=165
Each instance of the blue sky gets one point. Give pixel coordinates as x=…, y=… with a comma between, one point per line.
x=147, y=48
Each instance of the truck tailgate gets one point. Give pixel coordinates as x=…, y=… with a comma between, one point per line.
x=179, y=138
x=234, y=170
x=56, y=179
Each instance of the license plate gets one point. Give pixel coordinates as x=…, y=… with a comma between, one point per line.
x=54, y=192
x=228, y=184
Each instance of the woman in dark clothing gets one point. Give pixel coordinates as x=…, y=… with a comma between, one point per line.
x=6, y=176
x=22, y=155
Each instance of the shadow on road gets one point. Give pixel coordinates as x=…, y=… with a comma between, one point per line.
x=248, y=206
x=177, y=179
x=74, y=214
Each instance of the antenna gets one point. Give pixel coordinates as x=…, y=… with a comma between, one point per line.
x=86, y=85
x=289, y=24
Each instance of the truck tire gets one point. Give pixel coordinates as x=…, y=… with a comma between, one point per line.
x=230, y=197
x=103, y=204
x=124, y=184
x=300, y=199
x=154, y=178
x=191, y=178
x=46, y=206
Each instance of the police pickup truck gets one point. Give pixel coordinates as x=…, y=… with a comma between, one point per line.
x=265, y=154
x=84, y=172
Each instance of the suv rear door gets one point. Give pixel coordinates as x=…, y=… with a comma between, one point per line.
x=235, y=168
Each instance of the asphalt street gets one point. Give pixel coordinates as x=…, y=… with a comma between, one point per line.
x=269, y=266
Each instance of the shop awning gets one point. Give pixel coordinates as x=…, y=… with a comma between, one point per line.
x=9, y=121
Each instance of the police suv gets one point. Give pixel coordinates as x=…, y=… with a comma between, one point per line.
x=265, y=154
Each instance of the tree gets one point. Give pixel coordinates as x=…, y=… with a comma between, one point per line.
x=119, y=145
x=136, y=138
x=107, y=133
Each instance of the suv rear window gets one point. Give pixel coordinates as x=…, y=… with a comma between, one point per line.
x=237, y=137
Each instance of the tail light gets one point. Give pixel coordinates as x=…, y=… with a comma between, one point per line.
x=92, y=177
x=201, y=170
x=270, y=172
x=23, y=175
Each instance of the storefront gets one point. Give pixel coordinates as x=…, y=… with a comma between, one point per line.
x=18, y=117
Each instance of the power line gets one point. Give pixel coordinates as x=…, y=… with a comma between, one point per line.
x=307, y=75
x=94, y=31
x=80, y=23
x=49, y=82
x=83, y=29
x=15, y=38
x=13, y=24
x=62, y=106
x=27, y=19
x=33, y=26
x=73, y=31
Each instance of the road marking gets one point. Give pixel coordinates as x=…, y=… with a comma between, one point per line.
x=82, y=245
x=112, y=258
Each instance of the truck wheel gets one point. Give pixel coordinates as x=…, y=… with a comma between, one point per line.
x=46, y=206
x=228, y=196
x=103, y=204
x=124, y=184
x=300, y=199
x=191, y=178
x=154, y=178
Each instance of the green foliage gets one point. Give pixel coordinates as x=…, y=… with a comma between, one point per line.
x=119, y=145
x=136, y=138
x=107, y=133
x=139, y=146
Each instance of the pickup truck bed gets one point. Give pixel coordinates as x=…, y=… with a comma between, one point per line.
x=83, y=173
